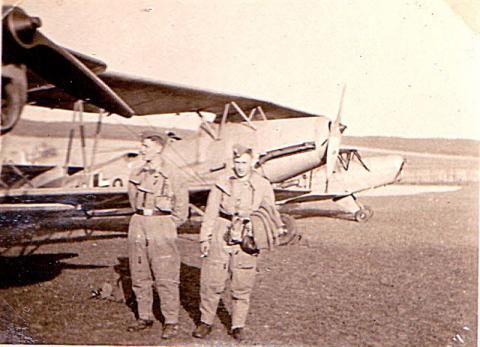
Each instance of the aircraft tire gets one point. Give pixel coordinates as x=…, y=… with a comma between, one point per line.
x=364, y=214
x=292, y=236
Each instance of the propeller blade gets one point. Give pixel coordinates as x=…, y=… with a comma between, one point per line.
x=340, y=107
x=334, y=141
x=24, y=44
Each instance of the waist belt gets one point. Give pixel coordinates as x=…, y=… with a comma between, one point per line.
x=226, y=216
x=150, y=212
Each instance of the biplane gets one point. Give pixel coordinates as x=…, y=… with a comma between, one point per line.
x=299, y=152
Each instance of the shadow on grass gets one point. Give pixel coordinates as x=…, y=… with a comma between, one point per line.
x=25, y=270
x=189, y=293
x=190, y=296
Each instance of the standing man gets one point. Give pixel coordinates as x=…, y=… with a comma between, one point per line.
x=229, y=205
x=160, y=201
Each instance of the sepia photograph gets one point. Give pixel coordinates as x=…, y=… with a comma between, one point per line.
x=241, y=172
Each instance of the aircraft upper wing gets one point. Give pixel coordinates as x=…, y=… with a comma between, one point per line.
x=56, y=77
x=148, y=97
x=32, y=62
x=93, y=64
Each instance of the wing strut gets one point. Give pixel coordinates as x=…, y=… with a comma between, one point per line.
x=248, y=119
x=79, y=106
x=78, y=111
x=226, y=110
x=205, y=126
x=20, y=174
x=95, y=141
x=241, y=113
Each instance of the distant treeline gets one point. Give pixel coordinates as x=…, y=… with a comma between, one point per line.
x=62, y=129
x=429, y=145
x=132, y=132
x=440, y=175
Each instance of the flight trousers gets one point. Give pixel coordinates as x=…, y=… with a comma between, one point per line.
x=154, y=258
x=220, y=265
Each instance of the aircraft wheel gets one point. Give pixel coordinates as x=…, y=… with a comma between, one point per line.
x=292, y=235
x=364, y=214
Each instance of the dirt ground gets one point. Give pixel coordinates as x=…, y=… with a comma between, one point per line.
x=408, y=277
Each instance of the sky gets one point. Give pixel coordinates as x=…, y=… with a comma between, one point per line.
x=410, y=67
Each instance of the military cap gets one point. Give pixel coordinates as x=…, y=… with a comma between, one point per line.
x=239, y=150
x=156, y=136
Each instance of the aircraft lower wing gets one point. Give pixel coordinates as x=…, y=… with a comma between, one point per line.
x=84, y=198
x=309, y=196
x=93, y=201
x=287, y=194
x=98, y=201
x=13, y=175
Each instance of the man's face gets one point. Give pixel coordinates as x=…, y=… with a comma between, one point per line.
x=243, y=165
x=150, y=149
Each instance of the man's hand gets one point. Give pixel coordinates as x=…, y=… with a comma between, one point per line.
x=204, y=248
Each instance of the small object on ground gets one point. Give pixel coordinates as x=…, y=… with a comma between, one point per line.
x=106, y=291
x=95, y=294
x=458, y=338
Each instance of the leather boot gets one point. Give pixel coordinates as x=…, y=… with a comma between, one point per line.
x=202, y=330
x=169, y=331
x=237, y=334
x=139, y=325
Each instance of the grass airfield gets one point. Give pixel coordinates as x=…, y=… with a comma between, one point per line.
x=408, y=277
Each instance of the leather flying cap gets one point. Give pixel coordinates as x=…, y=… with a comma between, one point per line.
x=239, y=150
x=155, y=136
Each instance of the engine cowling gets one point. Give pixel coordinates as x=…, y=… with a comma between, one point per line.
x=14, y=95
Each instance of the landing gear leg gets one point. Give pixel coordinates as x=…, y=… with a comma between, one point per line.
x=292, y=234
x=350, y=204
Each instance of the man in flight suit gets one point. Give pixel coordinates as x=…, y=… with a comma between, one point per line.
x=234, y=197
x=160, y=201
